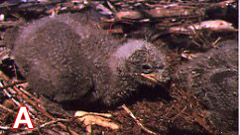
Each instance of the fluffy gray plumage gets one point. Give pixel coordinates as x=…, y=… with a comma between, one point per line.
x=68, y=58
x=213, y=79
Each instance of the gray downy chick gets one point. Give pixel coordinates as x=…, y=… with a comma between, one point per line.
x=68, y=58
x=213, y=79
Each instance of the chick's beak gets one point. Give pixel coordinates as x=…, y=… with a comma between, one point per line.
x=151, y=77
x=157, y=77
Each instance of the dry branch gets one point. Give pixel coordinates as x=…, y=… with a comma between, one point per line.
x=137, y=121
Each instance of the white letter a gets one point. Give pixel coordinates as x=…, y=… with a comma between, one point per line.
x=23, y=111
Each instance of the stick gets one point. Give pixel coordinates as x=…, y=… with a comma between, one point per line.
x=7, y=109
x=13, y=84
x=137, y=121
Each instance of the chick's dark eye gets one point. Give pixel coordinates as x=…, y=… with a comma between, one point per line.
x=146, y=68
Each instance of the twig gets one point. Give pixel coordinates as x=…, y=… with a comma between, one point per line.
x=10, y=96
x=7, y=109
x=5, y=128
x=30, y=95
x=6, y=91
x=114, y=10
x=27, y=131
x=9, y=24
x=13, y=84
x=54, y=121
x=137, y=121
x=174, y=117
x=214, y=44
x=168, y=111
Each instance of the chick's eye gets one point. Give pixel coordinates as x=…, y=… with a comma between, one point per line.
x=146, y=68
